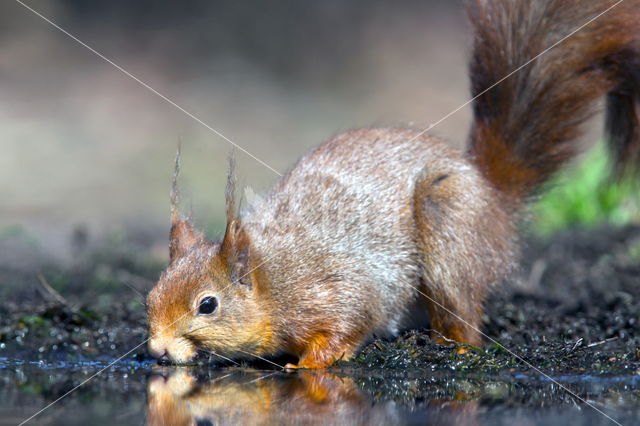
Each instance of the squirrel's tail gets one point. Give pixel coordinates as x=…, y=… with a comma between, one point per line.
x=525, y=128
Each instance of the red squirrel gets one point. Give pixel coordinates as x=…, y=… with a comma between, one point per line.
x=377, y=220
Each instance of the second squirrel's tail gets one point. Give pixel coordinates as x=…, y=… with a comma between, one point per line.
x=525, y=128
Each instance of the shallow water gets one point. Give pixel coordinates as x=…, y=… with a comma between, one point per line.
x=141, y=392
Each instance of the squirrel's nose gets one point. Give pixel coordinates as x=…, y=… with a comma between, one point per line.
x=162, y=357
x=158, y=352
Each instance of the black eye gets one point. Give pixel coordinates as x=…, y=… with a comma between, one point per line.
x=207, y=305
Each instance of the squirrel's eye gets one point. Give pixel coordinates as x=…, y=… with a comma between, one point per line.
x=207, y=305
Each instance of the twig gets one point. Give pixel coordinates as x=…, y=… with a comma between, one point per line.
x=457, y=344
x=48, y=291
x=575, y=345
x=442, y=336
x=610, y=339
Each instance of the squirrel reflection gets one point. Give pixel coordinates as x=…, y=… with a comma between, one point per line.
x=317, y=397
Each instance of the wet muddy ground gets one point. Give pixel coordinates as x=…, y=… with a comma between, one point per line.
x=564, y=332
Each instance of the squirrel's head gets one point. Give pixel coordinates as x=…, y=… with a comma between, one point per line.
x=212, y=296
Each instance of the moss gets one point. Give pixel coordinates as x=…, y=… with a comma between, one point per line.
x=585, y=195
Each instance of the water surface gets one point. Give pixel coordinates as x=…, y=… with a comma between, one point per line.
x=137, y=393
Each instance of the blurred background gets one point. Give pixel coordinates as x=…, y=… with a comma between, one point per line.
x=87, y=152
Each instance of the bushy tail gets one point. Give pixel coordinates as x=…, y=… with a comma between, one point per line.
x=525, y=128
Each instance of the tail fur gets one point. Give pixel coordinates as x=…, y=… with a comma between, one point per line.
x=525, y=128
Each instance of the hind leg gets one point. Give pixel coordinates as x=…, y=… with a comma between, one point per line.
x=466, y=244
x=451, y=319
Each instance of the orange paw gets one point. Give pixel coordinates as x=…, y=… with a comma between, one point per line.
x=462, y=350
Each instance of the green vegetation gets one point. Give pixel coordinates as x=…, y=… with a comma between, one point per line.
x=585, y=196
x=18, y=232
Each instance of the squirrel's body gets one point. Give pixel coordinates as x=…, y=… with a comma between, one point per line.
x=374, y=221
x=352, y=251
x=355, y=253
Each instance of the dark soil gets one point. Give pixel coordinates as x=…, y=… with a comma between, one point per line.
x=575, y=308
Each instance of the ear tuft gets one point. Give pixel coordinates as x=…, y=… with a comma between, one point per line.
x=183, y=236
x=175, y=193
x=230, y=193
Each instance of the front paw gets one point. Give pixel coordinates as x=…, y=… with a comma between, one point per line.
x=290, y=368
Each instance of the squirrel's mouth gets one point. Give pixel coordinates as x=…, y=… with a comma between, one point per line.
x=166, y=361
x=172, y=351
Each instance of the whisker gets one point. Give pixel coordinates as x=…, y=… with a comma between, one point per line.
x=196, y=330
x=140, y=295
x=206, y=391
x=262, y=377
x=220, y=356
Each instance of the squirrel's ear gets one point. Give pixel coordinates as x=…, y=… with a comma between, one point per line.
x=228, y=247
x=183, y=235
x=235, y=247
x=182, y=238
x=236, y=253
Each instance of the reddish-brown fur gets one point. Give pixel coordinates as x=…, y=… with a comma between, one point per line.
x=525, y=128
x=375, y=221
